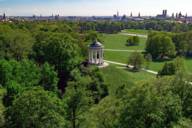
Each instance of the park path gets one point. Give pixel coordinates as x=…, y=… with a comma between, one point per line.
x=122, y=64
x=120, y=50
x=129, y=34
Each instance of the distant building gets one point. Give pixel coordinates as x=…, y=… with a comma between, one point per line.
x=163, y=15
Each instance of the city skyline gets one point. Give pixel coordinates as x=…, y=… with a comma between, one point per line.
x=92, y=7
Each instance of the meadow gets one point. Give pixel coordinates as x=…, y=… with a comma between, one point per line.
x=118, y=42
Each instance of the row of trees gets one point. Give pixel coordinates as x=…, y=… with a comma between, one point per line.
x=114, y=27
x=168, y=45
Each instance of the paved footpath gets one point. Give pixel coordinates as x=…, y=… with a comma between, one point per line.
x=120, y=50
x=129, y=34
x=122, y=64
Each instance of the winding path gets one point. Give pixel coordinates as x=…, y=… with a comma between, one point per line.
x=122, y=64
x=120, y=50
x=129, y=34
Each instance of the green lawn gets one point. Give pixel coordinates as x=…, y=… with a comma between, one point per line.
x=117, y=41
x=116, y=76
x=122, y=57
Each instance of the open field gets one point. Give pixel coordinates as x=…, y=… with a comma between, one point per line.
x=117, y=41
x=116, y=76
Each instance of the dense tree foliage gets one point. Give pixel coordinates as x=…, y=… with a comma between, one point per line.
x=172, y=68
x=15, y=43
x=132, y=41
x=36, y=108
x=160, y=46
x=136, y=60
x=149, y=106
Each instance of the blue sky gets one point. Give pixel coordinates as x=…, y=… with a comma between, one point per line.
x=93, y=7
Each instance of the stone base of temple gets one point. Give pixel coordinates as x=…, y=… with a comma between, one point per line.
x=103, y=65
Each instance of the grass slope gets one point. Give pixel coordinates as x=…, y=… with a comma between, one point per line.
x=116, y=76
x=117, y=41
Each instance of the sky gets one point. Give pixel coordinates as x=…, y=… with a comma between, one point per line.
x=93, y=7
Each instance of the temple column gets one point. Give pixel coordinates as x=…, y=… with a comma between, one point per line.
x=100, y=56
x=89, y=56
x=95, y=56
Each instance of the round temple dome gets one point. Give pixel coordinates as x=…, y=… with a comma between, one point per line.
x=95, y=44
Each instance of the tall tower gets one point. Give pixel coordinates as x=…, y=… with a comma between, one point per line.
x=139, y=14
x=117, y=13
x=165, y=13
x=131, y=15
x=4, y=16
x=173, y=15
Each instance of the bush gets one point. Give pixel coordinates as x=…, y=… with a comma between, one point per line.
x=133, y=41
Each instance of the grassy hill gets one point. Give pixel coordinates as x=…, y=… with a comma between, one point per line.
x=116, y=76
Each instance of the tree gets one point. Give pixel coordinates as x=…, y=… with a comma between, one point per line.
x=12, y=89
x=77, y=102
x=168, y=69
x=173, y=67
x=85, y=90
x=148, y=60
x=183, y=123
x=24, y=72
x=150, y=105
x=132, y=41
x=182, y=87
x=36, y=108
x=16, y=44
x=49, y=79
x=160, y=46
x=62, y=52
x=105, y=114
x=136, y=60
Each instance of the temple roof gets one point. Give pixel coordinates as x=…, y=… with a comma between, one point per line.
x=96, y=44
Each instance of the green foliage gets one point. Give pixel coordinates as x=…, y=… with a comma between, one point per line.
x=16, y=76
x=77, y=102
x=24, y=72
x=133, y=40
x=2, y=107
x=173, y=67
x=136, y=59
x=150, y=106
x=182, y=86
x=95, y=81
x=183, y=43
x=168, y=69
x=49, y=78
x=183, y=123
x=13, y=89
x=15, y=44
x=36, y=108
x=160, y=46
x=148, y=60
x=104, y=115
